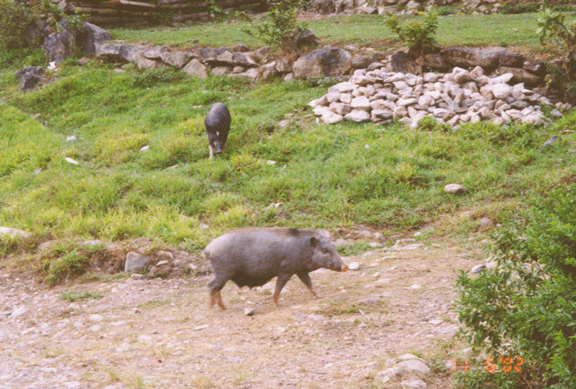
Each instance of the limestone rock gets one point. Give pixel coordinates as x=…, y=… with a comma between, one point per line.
x=358, y=116
x=136, y=262
x=402, y=63
x=455, y=189
x=178, y=59
x=524, y=76
x=487, y=58
x=92, y=36
x=155, y=52
x=195, y=68
x=325, y=62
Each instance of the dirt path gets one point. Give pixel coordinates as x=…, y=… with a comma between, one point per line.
x=160, y=333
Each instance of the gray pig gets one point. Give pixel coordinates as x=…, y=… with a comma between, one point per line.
x=253, y=256
x=217, y=125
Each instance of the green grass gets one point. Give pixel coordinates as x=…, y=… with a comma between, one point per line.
x=343, y=175
x=75, y=296
x=362, y=30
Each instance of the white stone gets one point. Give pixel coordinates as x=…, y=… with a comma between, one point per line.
x=360, y=102
x=405, y=102
x=354, y=266
x=346, y=98
x=455, y=189
x=425, y=101
x=400, y=112
x=332, y=96
x=414, y=365
x=72, y=161
x=501, y=90
x=345, y=87
x=503, y=79
x=534, y=118
x=358, y=116
x=414, y=383
x=330, y=117
x=386, y=375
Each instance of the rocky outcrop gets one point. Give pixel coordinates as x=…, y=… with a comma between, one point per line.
x=325, y=62
x=462, y=96
x=31, y=76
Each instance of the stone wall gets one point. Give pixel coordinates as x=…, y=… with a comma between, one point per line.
x=121, y=12
x=407, y=7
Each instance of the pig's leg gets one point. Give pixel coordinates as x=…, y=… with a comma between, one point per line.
x=215, y=286
x=305, y=278
x=211, y=152
x=280, y=282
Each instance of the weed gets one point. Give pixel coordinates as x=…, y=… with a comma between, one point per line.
x=280, y=26
x=355, y=248
x=418, y=36
x=75, y=296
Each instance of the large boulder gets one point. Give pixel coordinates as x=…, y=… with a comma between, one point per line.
x=31, y=76
x=325, y=62
x=488, y=58
x=119, y=52
x=402, y=63
x=178, y=59
x=91, y=36
x=59, y=45
x=521, y=75
x=196, y=68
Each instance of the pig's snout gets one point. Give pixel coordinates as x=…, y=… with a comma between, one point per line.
x=344, y=268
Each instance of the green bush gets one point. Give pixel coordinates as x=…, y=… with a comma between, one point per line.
x=557, y=79
x=279, y=27
x=526, y=307
x=553, y=28
x=418, y=36
x=509, y=9
x=15, y=19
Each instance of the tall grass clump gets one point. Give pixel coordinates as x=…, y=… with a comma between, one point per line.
x=522, y=312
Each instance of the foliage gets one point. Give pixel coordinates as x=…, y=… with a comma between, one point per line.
x=213, y=9
x=279, y=28
x=150, y=77
x=557, y=79
x=355, y=248
x=519, y=8
x=163, y=16
x=15, y=19
x=75, y=296
x=552, y=27
x=56, y=15
x=526, y=306
x=418, y=36
x=69, y=264
x=446, y=10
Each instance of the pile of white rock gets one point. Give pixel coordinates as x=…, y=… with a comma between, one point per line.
x=379, y=95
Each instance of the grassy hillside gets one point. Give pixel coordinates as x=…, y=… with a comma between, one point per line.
x=362, y=30
x=387, y=177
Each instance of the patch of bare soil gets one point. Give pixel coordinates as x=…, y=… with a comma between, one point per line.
x=161, y=333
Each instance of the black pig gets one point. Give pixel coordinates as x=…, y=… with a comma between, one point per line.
x=253, y=256
x=217, y=124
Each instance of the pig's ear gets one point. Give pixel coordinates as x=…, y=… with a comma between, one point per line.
x=313, y=241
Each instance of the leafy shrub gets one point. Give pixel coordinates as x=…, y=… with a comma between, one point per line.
x=279, y=27
x=446, y=10
x=15, y=19
x=164, y=16
x=418, y=36
x=553, y=28
x=557, y=79
x=525, y=307
x=509, y=9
